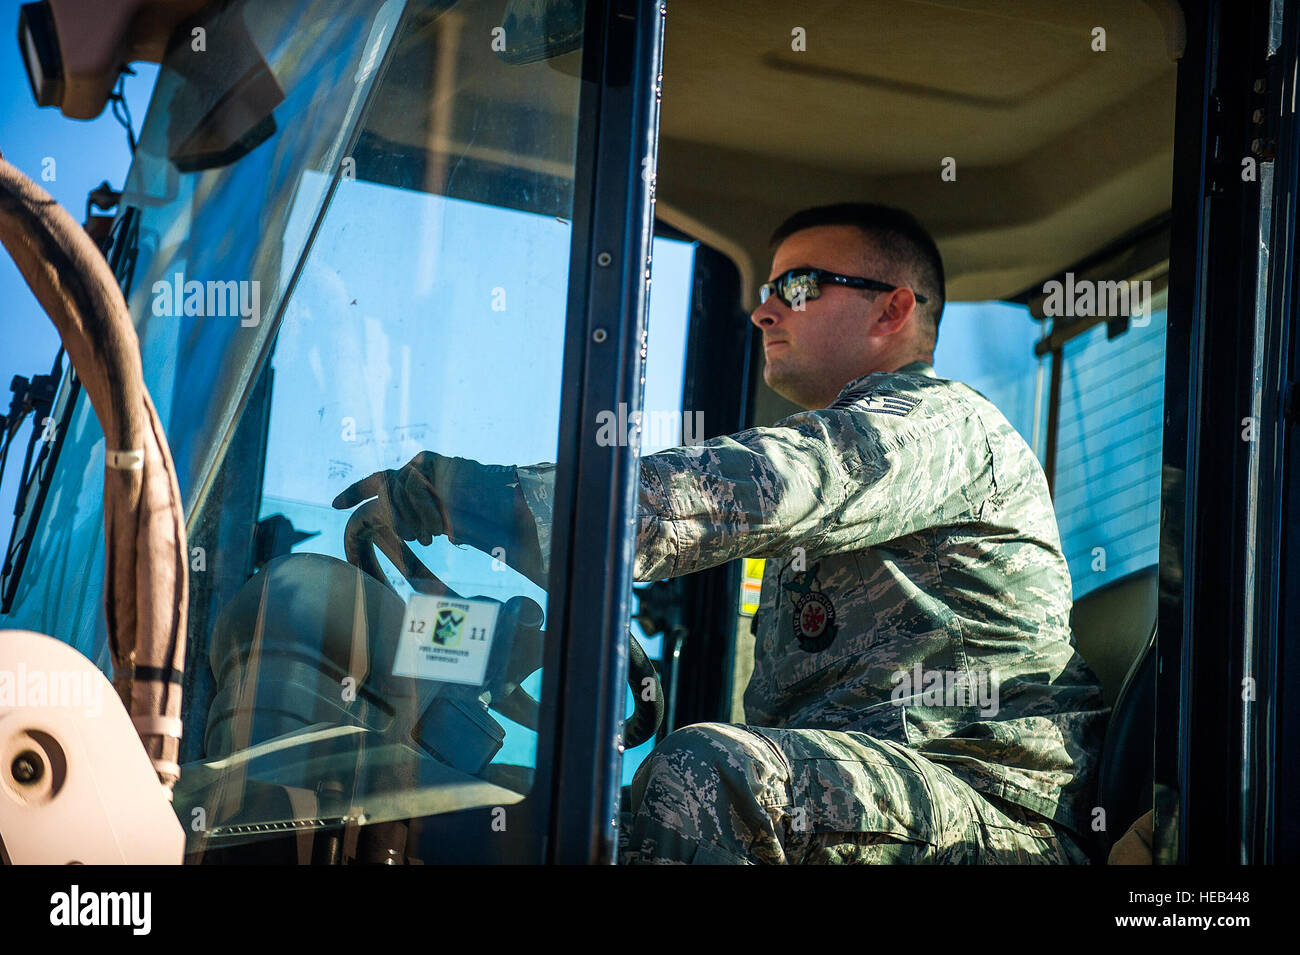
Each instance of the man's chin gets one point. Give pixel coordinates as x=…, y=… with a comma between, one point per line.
x=787, y=386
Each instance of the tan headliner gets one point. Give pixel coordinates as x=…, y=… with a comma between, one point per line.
x=1058, y=148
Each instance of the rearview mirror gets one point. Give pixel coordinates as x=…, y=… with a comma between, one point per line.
x=224, y=108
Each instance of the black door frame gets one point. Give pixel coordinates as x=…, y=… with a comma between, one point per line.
x=1223, y=524
x=595, y=495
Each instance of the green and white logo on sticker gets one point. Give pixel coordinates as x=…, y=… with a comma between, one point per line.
x=446, y=628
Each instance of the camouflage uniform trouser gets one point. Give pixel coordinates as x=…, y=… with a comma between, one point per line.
x=720, y=793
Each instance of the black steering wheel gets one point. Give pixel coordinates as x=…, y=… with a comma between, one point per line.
x=363, y=534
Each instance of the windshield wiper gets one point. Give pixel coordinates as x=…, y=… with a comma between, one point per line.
x=34, y=398
x=37, y=398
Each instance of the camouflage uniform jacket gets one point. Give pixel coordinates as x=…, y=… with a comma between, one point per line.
x=914, y=590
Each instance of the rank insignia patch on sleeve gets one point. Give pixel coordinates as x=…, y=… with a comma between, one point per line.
x=886, y=402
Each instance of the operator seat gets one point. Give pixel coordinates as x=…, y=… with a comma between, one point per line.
x=1114, y=629
x=284, y=646
x=287, y=749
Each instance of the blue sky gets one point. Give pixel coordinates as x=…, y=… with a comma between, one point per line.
x=85, y=154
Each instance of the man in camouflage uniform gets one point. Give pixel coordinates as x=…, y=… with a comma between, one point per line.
x=916, y=695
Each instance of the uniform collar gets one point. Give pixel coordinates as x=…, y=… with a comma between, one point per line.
x=918, y=368
x=915, y=368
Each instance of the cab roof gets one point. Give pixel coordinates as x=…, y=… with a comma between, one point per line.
x=1059, y=148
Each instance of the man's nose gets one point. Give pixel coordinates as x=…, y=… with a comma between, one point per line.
x=768, y=314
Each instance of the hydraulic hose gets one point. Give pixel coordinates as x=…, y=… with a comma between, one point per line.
x=146, y=586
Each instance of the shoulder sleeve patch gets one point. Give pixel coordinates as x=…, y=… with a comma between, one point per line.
x=881, y=402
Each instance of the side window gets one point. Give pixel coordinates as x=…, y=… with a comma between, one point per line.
x=1107, y=483
x=1105, y=470
x=672, y=272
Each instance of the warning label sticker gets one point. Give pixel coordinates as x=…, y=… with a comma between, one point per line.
x=447, y=640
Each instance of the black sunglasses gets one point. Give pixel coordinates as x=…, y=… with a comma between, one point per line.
x=805, y=285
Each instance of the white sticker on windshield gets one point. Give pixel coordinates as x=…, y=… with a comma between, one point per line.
x=447, y=640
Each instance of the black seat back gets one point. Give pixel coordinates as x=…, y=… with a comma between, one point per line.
x=1124, y=777
x=1114, y=630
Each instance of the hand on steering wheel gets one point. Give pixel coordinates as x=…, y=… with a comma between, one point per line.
x=405, y=500
x=433, y=495
x=467, y=502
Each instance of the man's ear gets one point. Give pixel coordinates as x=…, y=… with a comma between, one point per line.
x=899, y=307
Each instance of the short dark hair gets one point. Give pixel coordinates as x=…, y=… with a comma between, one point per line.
x=898, y=236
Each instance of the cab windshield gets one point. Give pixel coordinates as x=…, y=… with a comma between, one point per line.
x=376, y=267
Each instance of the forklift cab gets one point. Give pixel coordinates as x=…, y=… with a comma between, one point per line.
x=507, y=231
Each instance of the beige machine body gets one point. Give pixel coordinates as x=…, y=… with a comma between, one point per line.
x=76, y=785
